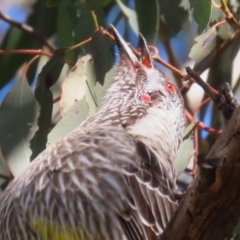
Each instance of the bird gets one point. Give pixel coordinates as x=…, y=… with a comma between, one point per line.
x=114, y=176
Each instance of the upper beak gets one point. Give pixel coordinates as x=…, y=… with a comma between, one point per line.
x=123, y=46
x=146, y=59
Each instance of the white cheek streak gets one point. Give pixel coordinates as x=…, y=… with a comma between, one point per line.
x=151, y=126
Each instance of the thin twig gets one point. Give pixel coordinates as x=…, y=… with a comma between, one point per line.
x=25, y=51
x=4, y=177
x=95, y=21
x=205, y=86
x=201, y=125
x=57, y=99
x=222, y=48
x=28, y=29
x=79, y=45
x=204, y=102
x=31, y=52
x=29, y=64
x=229, y=16
x=172, y=59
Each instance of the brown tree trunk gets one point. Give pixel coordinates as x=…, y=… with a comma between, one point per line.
x=211, y=206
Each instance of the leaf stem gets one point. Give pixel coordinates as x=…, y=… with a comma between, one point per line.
x=28, y=29
x=95, y=21
x=230, y=17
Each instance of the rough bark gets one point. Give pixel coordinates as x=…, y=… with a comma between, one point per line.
x=211, y=206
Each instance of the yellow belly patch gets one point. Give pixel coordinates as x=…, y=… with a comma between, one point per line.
x=53, y=231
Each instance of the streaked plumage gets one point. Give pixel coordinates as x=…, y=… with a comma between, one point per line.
x=114, y=176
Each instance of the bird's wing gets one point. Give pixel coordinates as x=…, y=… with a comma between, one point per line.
x=74, y=190
x=152, y=189
x=91, y=186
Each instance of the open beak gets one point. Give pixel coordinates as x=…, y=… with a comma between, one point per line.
x=123, y=46
x=146, y=59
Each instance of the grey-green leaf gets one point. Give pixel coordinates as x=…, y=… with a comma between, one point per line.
x=131, y=16
x=148, y=19
x=47, y=77
x=186, y=149
x=18, y=117
x=100, y=48
x=201, y=12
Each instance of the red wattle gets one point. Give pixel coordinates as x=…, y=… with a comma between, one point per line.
x=146, y=98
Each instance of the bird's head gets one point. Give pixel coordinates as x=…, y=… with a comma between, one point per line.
x=140, y=93
x=139, y=85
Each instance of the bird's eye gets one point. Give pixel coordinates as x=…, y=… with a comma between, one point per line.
x=170, y=87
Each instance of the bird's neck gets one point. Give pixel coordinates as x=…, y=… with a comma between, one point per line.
x=160, y=135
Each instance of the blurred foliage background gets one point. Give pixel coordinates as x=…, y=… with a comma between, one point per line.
x=56, y=59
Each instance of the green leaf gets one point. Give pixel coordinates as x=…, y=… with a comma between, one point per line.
x=18, y=117
x=225, y=31
x=4, y=171
x=173, y=16
x=47, y=77
x=91, y=80
x=188, y=131
x=74, y=87
x=65, y=30
x=100, y=48
x=186, y=150
x=101, y=90
x=17, y=39
x=204, y=49
x=53, y=3
x=201, y=12
x=92, y=4
x=131, y=16
x=11, y=62
x=72, y=119
x=148, y=19
x=81, y=109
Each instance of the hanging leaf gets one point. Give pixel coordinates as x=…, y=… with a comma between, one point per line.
x=53, y=3
x=100, y=48
x=186, y=150
x=80, y=110
x=65, y=35
x=148, y=19
x=18, y=118
x=47, y=77
x=72, y=119
x=18, y=39
x=204, y=49
x=131, y=16
x=75, y=86
x=174, y=15
x=201, y=12
x=5, y=174
x=101, y=90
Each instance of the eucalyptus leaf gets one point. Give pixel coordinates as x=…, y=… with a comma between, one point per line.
x=74, y=86
x=80, y=109
x=47, y=78
x=201, y=12
x=53, y=3
x=204, y=49
x=72, y=119
x=100, y=48
x=185, y=153
x=65, y=35
x=18, y=123
x=148, y=19
x=131, y=15
x=174, y=16
x=186, y=149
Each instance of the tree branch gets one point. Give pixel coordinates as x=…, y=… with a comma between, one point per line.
x=27, y=29
x=211, y=207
